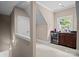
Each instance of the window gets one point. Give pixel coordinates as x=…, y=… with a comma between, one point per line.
x=23, y=27
x=64, y=23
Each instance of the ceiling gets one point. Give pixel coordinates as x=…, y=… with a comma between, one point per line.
x=23, y=4
x=6, y=7
x=54, y=5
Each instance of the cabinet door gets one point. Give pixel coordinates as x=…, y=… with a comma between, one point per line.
x=71, y=40
x=61, y=39
x=67, y=39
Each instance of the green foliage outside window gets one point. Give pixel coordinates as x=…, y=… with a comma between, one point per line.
x=65, y=23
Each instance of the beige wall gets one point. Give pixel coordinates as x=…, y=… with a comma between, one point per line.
x=41, y=31
x=49, y=18
x=41, y=26
x=4, y=32
x=33, y=27
x=21, y=47
x=77, y=11
x=67, y=12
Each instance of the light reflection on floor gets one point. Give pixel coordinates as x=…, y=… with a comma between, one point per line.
x=4, y=53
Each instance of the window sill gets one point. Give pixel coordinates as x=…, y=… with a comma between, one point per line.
x=23, y=37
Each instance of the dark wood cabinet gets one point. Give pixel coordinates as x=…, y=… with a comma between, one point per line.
x=67, y=39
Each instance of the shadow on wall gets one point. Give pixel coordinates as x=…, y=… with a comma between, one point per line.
x=4, y=35
x=41, y=26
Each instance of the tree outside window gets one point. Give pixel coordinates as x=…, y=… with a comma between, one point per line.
x=65, y=23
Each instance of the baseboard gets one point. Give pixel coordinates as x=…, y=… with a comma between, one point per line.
x=43, y=41
x=39, y=40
